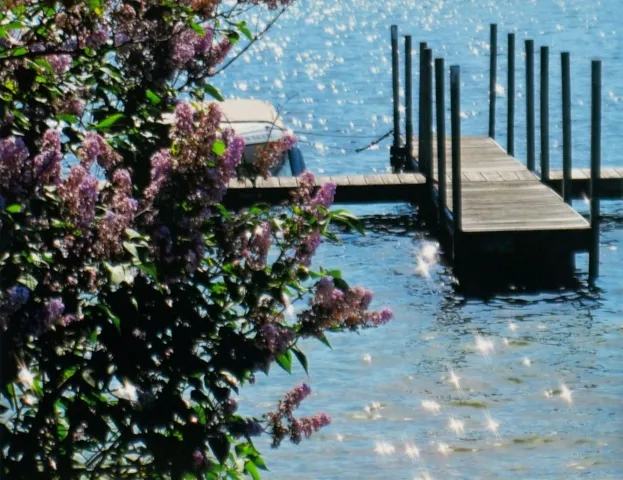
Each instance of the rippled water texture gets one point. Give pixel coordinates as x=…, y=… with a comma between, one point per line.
x=539, y=377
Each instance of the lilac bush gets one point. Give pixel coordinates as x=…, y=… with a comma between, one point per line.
x=133, y=304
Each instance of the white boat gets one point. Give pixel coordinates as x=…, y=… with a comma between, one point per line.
x=258, y=123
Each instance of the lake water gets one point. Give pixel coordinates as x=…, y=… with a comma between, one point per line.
x=540, y=375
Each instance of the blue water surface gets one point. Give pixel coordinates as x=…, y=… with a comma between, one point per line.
x=540, y=375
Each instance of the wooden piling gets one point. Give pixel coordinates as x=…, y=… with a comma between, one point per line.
x=396, y=157
x=566, y=127
x=440, y=102
x=595, y=167
x=544, y=113
x=455, y=120
x=493, y=67
x=428, y=107
x=421, y=146
x=510, y=119
x=530, y=154
x=410, y=164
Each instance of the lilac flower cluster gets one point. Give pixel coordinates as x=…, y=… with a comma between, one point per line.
x=282, y=422
x=16, y=297
x=306, y=250
x=48, y=162
x=60, y=63
x=188, y=47
x=269, y=155
x=96, y=149
x=13, y=155
x=79, y=192
x=307, y=426
x=277, y=338
x=255, y=248
x=119, y=217
x=332, y=307
x=53, y=311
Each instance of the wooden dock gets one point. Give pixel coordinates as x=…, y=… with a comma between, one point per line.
x=492, y=209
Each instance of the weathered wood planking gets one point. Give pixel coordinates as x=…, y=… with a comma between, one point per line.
x=376, y=188
x=505, y=207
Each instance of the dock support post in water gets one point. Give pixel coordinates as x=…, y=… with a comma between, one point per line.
x=493, y=67
x=544, y=113
x=396, y=157
x=455, y=120
x=428, y=115
x=530, y=154
x=566, y=127
x=593, y=269
x=440, y=102
x=410, y=164
x=510, y=121
x=421, y=147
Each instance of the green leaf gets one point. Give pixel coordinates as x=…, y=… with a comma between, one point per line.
x=132, y=234
x=15, y=208
x=224, y=211
x=219, y=147
x=334, y=273
x=149, y=269
x=213, y=92
x=131, y=248
x=197, y=28
x=109, y=121
x=302, y=359
x=28, y=281
x=152, y=97
x=19, y=52
x=284, y=360
x=116, y=321
x=252, y=470
x=325, y=340
x=118, y=273
x=220, y=446
x=67, y=118
x=242, y=26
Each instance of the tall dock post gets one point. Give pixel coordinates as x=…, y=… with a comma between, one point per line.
x=544, y=113
x=510, y=125
x=410, y=164
x=530, y=154
x=440, y=102
x=455, y=120
x=493, y=67
x=396, y=158
x=593, y=267
x=428, y=115
x=421, y=147
x=566, y=127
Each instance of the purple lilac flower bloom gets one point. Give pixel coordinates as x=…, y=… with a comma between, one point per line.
x=161, y=167
x=183, y=119
x=121, y=39
x=13, y=154
x=325, y=196
x=204, y=44
x=293, y=399
x=324, y=292
x=97, y=38
x=18, y=296
x=305, y=251
x=53, y=310
x=48, y=162
x=183, y=47
x=198, y=458
x=60, y=63
x=79, y=192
